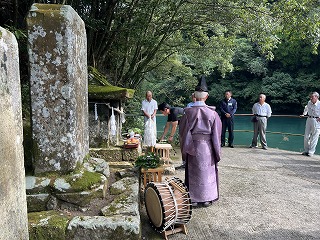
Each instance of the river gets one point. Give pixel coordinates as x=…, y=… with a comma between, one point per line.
x=282, y=132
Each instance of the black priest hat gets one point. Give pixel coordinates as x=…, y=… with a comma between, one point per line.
x=202, y=85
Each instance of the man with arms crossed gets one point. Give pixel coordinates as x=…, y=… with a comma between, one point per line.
x=312, y=129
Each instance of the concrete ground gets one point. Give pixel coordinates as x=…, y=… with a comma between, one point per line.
x=264, y=194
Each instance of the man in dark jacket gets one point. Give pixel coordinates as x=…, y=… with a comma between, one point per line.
x=228, y=107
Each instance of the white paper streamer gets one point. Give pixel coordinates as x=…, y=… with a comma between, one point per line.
x=113, y=126
x=95, y=112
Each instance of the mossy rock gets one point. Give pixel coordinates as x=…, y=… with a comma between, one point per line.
x=85, y=181
x=100, y=88
x=47, y=225
x=130, y=154
x=36, y=185
x=124, y=185
x=97, y=78
x=79, y=181
x=79, y=198
x=100, y=227
x=37, y=202
x=109, y=92
x=124, y=204
x=108, y=154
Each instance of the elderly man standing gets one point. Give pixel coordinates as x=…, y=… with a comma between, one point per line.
x=200, y=135
x=312, y=129
x=149, y=110
x=262, y=111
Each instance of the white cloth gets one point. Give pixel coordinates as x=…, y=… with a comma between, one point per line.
x=305, y=110
x=95, y=112
x=150, y=128
x=312, y=130
x=113, y=125
x=150, y=133
x=262, y=110
x=149, y=108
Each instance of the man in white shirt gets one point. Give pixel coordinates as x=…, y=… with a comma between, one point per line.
x=262, y=112
x=149, y=109
x=312, y=129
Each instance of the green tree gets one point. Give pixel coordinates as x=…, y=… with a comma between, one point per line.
x=169, y=43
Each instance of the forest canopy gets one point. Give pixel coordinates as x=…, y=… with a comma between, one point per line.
x=247, y=46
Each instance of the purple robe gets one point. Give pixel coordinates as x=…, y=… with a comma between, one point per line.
x=200, y=143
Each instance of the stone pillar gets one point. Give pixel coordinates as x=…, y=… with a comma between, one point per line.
x=57, y=48
x=13, y=204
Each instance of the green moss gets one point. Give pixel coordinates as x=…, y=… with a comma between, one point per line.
x=121, y=233
x=78, y=167
x=97, y=78
x=85, y=159
x=109, y=92
x=100, y=88
x=112, y=209
x=48, y=7
x=103, y=144
x=85, y=182
x=122, y=199
x=48, y=225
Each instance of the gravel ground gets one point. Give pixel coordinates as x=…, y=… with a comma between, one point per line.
x=273, y=194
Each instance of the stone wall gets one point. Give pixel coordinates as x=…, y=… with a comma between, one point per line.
x=59, y=89
x=13, y=205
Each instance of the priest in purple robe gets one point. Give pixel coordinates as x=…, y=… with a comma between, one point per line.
x=200, y=143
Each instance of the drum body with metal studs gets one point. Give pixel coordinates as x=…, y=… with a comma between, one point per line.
x=167, y=203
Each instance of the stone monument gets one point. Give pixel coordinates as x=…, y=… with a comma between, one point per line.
x=13, y=204
x=59, y=89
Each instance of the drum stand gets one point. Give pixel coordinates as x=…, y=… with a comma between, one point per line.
x=163, y=150
x=177, y=228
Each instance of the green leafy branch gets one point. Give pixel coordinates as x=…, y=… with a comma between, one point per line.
x=149, y=160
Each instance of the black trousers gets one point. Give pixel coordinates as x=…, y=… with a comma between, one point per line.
x=227, y=123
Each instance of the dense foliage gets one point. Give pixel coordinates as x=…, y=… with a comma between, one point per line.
x=149, y=160
x=246, y=46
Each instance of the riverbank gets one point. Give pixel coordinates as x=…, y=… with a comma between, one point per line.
x=271, y=194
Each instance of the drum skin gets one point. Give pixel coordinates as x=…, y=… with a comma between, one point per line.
x=154, y=207
x=166, y=205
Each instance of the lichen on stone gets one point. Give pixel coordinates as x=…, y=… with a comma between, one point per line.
x=47, y=225
x=62, y=185
x=85, y=181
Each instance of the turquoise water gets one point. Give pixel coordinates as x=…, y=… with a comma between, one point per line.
x=282, y=132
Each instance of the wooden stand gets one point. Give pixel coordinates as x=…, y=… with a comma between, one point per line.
x=152, y=175
x=178, y=228
x=163, y=150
